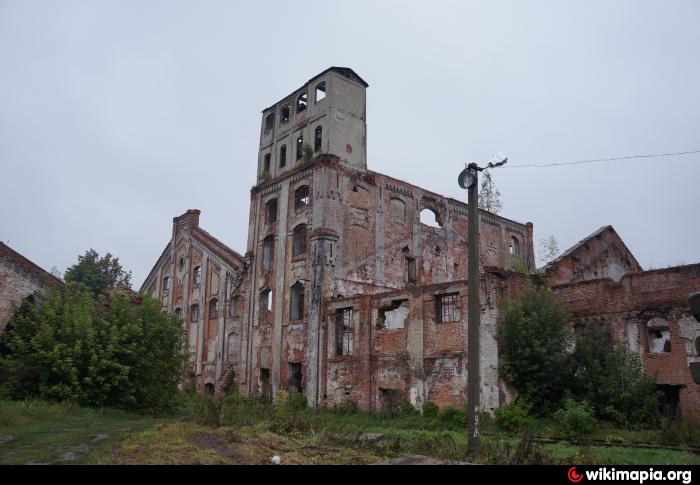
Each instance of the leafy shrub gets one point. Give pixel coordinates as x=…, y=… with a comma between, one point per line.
x=347, y=407
x=575, y=419
x=208, y=409
x=407, y=409
x=430, y=409
x=453, y=415
x=298, y=401
x=111, y=351
x=685, y=432
x=515, y=417
x=612, y=380
x=533, y=340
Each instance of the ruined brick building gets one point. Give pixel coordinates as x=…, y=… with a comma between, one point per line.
x=19, y=278
x=346, y=294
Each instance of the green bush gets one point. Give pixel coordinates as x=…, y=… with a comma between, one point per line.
x=612, y=380
x=533, y=341
x=430, y=409
x=575, y=419
x=110, y=351
x=450, y=414
x=298, y=401
x=515, y=417
x=407, y=409
x=686, y=432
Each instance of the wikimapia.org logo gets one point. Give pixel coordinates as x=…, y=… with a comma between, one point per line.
x=635, y=475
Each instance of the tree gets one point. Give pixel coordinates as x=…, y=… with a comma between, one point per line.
x=98, y=274
x=56, y=272
x=66, y=346
x=489, y=196
x=549, y=250
x=533, y=341
x=611, y=378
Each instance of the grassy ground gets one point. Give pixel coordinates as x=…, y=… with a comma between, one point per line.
x=38, y=432
x=247, y=431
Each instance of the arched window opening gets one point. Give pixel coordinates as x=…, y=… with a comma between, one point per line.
x=194, y=313
x=268, y=251
x=514, y=246
x=299, y=240
x=178, y=312
x=266, y=163
x=397, y=209
x=197, y=276
x=166, y=283
x=430, y=218
x=296, y=301
x=213, y=308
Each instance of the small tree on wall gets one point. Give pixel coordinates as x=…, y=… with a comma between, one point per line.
x=549, y=250
x=489, y=196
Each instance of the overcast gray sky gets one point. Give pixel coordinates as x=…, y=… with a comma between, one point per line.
x=116, y=116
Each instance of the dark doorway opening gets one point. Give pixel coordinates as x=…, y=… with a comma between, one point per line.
x=295, y=377
x=388, y=401
x=209, y=388
x=265, y=388
x=670, y=401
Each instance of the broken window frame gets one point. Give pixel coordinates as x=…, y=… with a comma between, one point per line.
x=268, y=252
x=265, y=306
x=299, y=237
x=436, y=218
x=447, y=308
x=197, y=275
x=283, y=156
x=194, y=312
x=302, y=101
x=213, y=308
x=302, y=197
x=296, y=301
x=320, y=88
x=514, y=246
x=318, y=138
x=344, y=331
x=271, y=211
x=285, y=114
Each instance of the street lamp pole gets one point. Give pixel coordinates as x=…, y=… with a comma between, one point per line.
x=469, y=179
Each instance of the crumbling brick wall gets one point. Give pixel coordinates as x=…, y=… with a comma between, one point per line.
x=19, y=278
